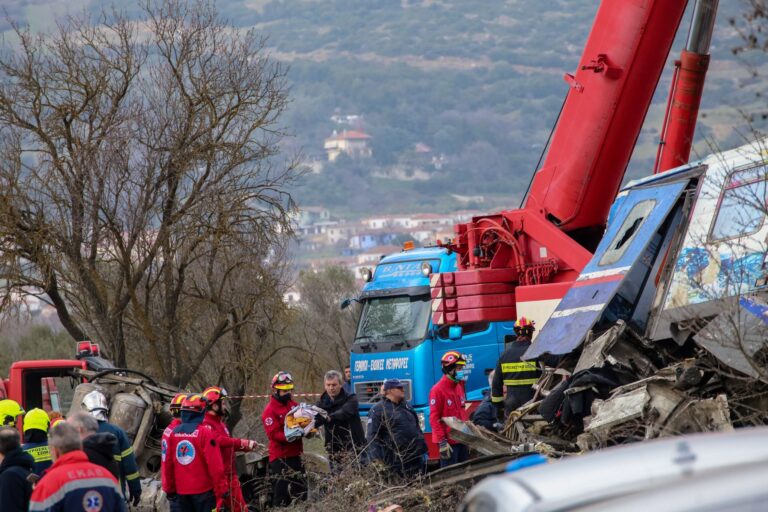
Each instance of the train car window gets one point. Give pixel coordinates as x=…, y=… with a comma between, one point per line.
x=628, y=231
x=742, y=207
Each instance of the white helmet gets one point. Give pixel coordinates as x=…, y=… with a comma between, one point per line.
x=96, y=403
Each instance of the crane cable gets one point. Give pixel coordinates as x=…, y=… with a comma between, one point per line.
x=543, y=151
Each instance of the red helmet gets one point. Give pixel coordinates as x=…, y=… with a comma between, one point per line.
x=282, y=380
x=453, y=357
x=524, y=323
x=194, y=403
x=176, y=401
x=214, y=393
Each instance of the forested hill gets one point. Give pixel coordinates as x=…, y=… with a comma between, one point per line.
x=459, y=96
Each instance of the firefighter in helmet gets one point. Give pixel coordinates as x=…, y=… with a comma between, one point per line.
x=10, y=410
x=447, y=398
x=511, y=371
x=36, y=423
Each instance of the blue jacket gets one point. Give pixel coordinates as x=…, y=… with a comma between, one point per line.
x=485, y=414
x=123, y=451
x=15, y=490
x=41, y=453
x=394, y=435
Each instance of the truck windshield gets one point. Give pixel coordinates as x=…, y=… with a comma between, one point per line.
x=393, y=319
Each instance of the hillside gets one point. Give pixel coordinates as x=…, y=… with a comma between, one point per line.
x=476, y=84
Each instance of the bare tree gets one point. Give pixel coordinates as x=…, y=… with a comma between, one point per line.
x=141, y=189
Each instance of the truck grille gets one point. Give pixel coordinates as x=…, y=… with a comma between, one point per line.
x=367, y=392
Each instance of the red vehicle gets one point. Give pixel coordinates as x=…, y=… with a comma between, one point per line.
x=540, y=248
x=33, y=383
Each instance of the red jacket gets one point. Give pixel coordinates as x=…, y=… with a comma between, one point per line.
x=446, y=399
x=73, y=483
x=273, y=419
x=229, y=445
x=193, y=463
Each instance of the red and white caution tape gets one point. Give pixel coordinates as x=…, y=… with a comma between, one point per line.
x=267, y=396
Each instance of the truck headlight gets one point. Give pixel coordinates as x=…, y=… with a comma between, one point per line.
x=422, y=420
x=426, y=269
x=366, y=274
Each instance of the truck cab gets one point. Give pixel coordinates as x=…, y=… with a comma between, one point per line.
x=396, y=338
x=49, y=383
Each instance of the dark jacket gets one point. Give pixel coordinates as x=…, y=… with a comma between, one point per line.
x=15, y=490
x=343, y=429
x=100, y=449
x=517, y=375
x=485, y=414
x=394, y=435
x=126, y=460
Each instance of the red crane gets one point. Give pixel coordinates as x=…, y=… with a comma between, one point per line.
x=523, y=261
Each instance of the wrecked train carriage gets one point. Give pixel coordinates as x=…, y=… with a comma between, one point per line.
x=678, y=281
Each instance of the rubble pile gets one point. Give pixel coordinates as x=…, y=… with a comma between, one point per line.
x=620, y=389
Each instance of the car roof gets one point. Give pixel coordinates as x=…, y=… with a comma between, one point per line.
x=623, y=469
x=733, y=488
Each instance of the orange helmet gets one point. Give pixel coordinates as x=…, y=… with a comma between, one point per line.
x=176, y=401
x=194, y=403
x=282, y=380
x=452, y=357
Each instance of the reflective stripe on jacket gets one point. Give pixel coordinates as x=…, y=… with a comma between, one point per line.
x=512, y=371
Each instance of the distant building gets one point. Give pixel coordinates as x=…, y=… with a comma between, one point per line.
x=350, y=142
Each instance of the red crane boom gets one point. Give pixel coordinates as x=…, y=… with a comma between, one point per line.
x=539, y=249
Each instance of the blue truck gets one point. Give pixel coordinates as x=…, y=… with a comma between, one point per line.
x=396, y=338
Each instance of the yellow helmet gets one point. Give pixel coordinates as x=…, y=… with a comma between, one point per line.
x=37, y=419
x=9, y=411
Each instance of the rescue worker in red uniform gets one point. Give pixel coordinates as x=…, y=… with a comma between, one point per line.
x=512, y=372
x=446, y=399
x=284, y=454
x=215, y=413
x=192, y=471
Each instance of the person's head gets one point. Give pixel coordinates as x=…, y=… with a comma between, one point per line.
x=524, y=328
x=282, y=386
x=63, y=438
x=175, y=405
x=96, y=404
x=347, y=373
x=10, y=410
x=453, y=364
x=393, y=390
x=218, y=401
x=9, y=440
x=333, y=383
x=85, y=424
x=36, y=419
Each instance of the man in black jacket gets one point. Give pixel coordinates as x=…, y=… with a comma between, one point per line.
x=394, y=435
x=344, y=437
x=15, y=489
x=98, y=446
x=485, y=414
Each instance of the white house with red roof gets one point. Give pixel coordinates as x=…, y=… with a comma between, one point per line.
x=350, y=142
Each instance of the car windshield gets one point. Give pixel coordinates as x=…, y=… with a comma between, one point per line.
x=402, y=318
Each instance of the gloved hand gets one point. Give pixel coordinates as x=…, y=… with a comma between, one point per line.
x=445, y=450
x=497, y=427
x=321, y=420
x=248, y=445
x=172, y=497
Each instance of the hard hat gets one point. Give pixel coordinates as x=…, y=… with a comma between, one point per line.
x=194, y=403
x=282, y=380
x=176, y=401
x=96, y=404
x=452, y=357
x=523, y=322
x=56, y=421
x=214, y=393
x=9, y=411
x=36, y=419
